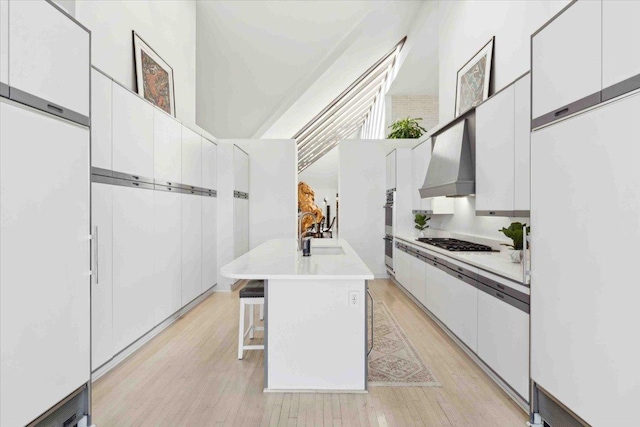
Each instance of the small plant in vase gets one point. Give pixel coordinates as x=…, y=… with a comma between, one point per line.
x=421, y=224
x=516, y=233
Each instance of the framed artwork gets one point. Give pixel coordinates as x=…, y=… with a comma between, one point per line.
x=154, y=76
x=473, y=79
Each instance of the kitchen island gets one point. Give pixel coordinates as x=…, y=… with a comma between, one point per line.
x=315, y=314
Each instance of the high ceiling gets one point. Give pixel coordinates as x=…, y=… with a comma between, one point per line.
x=265, y=69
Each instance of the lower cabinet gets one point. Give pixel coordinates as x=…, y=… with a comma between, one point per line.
x=167, y=254
x=402, y=265
x=191, y=247
x=437, y=291
x=133, y=280
x=419, y=279
x=240, y=226
x=503, y=341
x=209, y=249
x=461, y=302
x=102, y=348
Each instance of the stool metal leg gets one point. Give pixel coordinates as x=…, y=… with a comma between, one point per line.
x=261, y=311
x=251, y=317
x=241, y=331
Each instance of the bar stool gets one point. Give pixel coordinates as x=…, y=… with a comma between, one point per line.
x=252, y=294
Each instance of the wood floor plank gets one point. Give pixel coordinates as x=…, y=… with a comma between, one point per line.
x=189, y=375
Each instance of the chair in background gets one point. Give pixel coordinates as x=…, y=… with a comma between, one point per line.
x=328, y=232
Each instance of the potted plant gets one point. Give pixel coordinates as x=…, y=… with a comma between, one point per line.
x=406, y=128
x=421, y=223
x=515, y=233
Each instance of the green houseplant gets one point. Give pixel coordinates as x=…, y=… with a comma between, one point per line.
x=406, y=128
x=421, y=223
x=516, y=234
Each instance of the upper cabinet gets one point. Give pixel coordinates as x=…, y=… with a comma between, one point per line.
x=132, y=134
x=191, y=158
x=420, y=158
x=4, y=47
x=391, y=170
x=567, y=62
x=167, y=149
x=502, y=152
x=589, y=53
x=240, y=170
x=49, y=59
x=209, y=164
x=101, y=116
x=620, y=47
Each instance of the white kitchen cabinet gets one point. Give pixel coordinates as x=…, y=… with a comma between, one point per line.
x=44, y=261
x=101, y=117
x=402, y=267
x=102, y=347
x=584, y=302
x=49, y=57
x=437, y=290
x=133, y=249
x=191, y=158
x=620, y=43
x=240, y=170
x=167, y=254
x=209, y=242
x=502, y=152
x=461, y=306
x=4, y=46
x=391, y=170
x=503, y=341
x=167, y=149
x=240, y=226
x=209, y=164
x=421, y=156
x=132, y=134
x=419, y=279
x=191, y=247
x=567, y=61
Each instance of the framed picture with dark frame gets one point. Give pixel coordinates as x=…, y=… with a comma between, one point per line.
x=473, y=79
x=154, y=77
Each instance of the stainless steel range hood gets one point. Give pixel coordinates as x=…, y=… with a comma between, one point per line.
x=451, y=171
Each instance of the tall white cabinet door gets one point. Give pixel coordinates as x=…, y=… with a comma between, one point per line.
x=167, y=149
x=133, y=281
x=584, y=303
x=237, y=227
x=245, y=225
x=522, y=141
x=495, y=153
x=420, y=157
x=209, y=242
x=620, y=41
x=4, y=46
x=391, y=170
x=209, y=164
x=101, y=116
x=191, y=158
x=44, y=261
x=191, y=247
x=132, y=134
x=102, y=348
x=240, y=170
x=49, y=56
x=566, y=58
x=503, y=341
x=167, y=254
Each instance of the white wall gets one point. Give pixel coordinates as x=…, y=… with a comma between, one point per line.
x=465, y=26
x=273, y=189
x=169, y=27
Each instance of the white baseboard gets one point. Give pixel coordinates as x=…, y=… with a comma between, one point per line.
x=132, y=348
x=522, y=403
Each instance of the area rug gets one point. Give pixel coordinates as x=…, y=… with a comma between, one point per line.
x=394, y=361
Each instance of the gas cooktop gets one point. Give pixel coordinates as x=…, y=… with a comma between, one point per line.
x=455, y=244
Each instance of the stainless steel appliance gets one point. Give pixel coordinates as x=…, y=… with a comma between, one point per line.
x=388, y=251
x=388, y=213
x=455, y=244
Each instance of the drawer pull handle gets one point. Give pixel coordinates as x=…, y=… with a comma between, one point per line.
x=561, y=112
x=135, y=177
x=55, y=108
x=459, y=276
x=499, y=286
x=135, y=184
x=492, y=212
x=460, y=269
x=499, y=295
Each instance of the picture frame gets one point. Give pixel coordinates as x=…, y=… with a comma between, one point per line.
x=154, y=77
x=474, y=79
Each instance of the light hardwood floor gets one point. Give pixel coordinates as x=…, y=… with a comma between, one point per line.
x=189, y=375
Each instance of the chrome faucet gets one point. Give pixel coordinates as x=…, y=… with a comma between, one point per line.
x=301, y=235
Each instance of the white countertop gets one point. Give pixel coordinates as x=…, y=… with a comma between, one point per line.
x=280, y=259
x=493, y=262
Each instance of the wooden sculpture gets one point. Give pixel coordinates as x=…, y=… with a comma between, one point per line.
x=306, y=203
